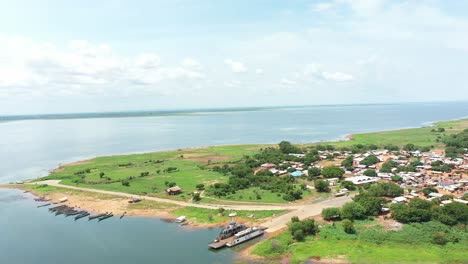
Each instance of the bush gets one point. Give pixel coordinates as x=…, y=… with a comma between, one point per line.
x=299, y=235
x=125, y=183
x=200, y=186
x=196, y=197
x=353, y=210
x=348, y=226
x=331, y=213
x=348, y=185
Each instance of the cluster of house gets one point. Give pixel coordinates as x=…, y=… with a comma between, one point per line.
x=454, y=182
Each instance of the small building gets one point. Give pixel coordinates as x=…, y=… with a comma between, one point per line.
x=268, y=166
x=174, y=190
x=297, y=174
x=357, y=180
x=399, y=199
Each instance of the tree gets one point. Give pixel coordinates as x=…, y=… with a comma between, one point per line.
x=200, y=186
x=348, y=226
x=397, y=178
x=352, y=211
x=331, y=213
x=321, y=186
x=125, y=183
x=314, y=172
x=101, y=174
x=409, y=147
x=286, y=147
x=348, y=163
x=429, y=190
x=171, y=184
x=299, y=235
x=196, y=197
x=370, y=173
x=348, y=185
x=391, y=147
x=370, y=160
x=332, y=171
x=371, y=204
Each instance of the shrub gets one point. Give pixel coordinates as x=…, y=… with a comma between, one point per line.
x=331, y=213
x=348, y=226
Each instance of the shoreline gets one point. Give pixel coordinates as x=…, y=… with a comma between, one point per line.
x=96, y=204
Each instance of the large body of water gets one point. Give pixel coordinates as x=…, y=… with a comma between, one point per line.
x=30, y=147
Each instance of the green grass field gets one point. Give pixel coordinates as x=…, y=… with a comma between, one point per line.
x=201, y=215
x=407, y=246
x=418, y=136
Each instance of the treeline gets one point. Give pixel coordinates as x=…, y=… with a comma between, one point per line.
x=457, y=144
x=418, y=210
x=368, y=202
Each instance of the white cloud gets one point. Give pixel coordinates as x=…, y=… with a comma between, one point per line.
x=287, y=82
x=323, y=6
x=259, y=71
x=147, y=60
x=236, y=66
x=337, y=76
x=83, y=67
x=316, y=70
x=191, y=63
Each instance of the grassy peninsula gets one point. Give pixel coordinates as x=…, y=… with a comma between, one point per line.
x=196, y=169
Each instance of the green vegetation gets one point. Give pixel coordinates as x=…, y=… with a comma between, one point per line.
x=371, y=243
x=226, y=172
x=456, y=144
x=332, y=172
x=322, y=186
x=418, y=210
x=202, y=215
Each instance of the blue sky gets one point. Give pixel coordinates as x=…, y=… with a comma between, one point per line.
x=85, y=56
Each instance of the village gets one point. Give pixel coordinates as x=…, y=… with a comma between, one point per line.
x=427, y=175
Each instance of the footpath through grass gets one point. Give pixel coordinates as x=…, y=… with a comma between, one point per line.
x=210, y=216
x=371, y=244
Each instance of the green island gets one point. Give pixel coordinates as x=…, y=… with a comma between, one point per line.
x=410, y=208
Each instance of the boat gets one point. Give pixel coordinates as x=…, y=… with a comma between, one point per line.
x=105, y=216
x=81, y=215
x=227, y=232
x=180, y=219
x=230, y=230
x=245, y=235
x=134, y=200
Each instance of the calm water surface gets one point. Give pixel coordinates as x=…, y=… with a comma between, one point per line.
x=30, y=148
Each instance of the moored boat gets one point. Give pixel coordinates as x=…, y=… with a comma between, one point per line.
x=245, y=235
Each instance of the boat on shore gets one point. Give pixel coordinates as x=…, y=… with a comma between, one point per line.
x=246, y=235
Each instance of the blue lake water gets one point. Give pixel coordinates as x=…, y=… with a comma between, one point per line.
x=30, y=148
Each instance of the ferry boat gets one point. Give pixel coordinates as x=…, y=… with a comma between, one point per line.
x=246, y=235
x=230, y=230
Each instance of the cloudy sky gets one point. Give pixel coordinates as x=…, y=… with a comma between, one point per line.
x=87, y=55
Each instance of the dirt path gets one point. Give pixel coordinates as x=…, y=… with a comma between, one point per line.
x=300, y=210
